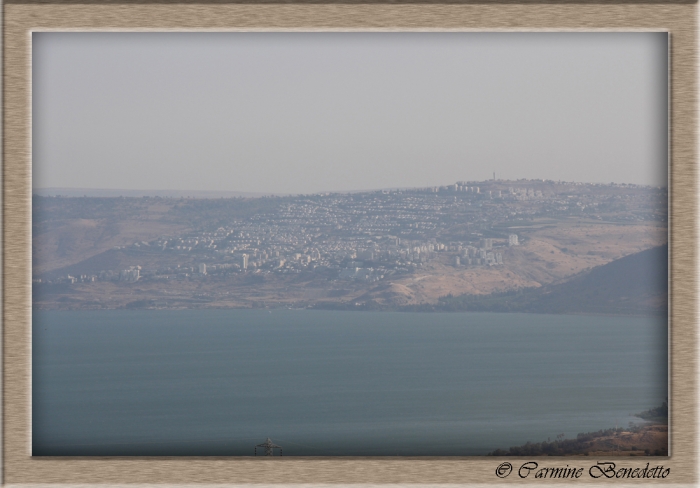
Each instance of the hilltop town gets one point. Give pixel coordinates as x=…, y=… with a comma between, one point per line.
x=388, y=248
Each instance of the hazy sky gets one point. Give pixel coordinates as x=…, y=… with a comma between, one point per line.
x=311, y=112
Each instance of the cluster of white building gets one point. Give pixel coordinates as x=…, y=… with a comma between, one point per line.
x=360, y=274
x=131, y=274
x=525, y=193
x=484, y=255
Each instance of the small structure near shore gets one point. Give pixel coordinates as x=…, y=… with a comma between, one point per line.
x=269, y=447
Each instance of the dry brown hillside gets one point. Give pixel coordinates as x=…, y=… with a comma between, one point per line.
x=548, y=255
x=65, y=238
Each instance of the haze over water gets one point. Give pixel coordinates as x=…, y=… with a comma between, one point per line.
x=218, y=382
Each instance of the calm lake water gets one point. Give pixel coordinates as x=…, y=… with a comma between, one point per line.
x=218, y=382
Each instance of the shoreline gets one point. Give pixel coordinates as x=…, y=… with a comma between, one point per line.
x=357, y=309
x=650, y=439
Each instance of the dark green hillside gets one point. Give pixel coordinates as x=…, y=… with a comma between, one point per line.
x=636, y=284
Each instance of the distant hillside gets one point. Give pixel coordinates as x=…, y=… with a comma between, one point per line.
x=113, y=193
x=635, y=284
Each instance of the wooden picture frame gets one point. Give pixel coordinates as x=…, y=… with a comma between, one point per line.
x=21, y=17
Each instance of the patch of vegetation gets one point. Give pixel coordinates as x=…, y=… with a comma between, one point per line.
x=558, y=447
x=658, y=414
x=140, y=304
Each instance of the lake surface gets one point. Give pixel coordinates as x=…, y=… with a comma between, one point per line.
x=326, y=383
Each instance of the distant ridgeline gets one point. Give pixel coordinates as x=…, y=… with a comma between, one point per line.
x=634, y=285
